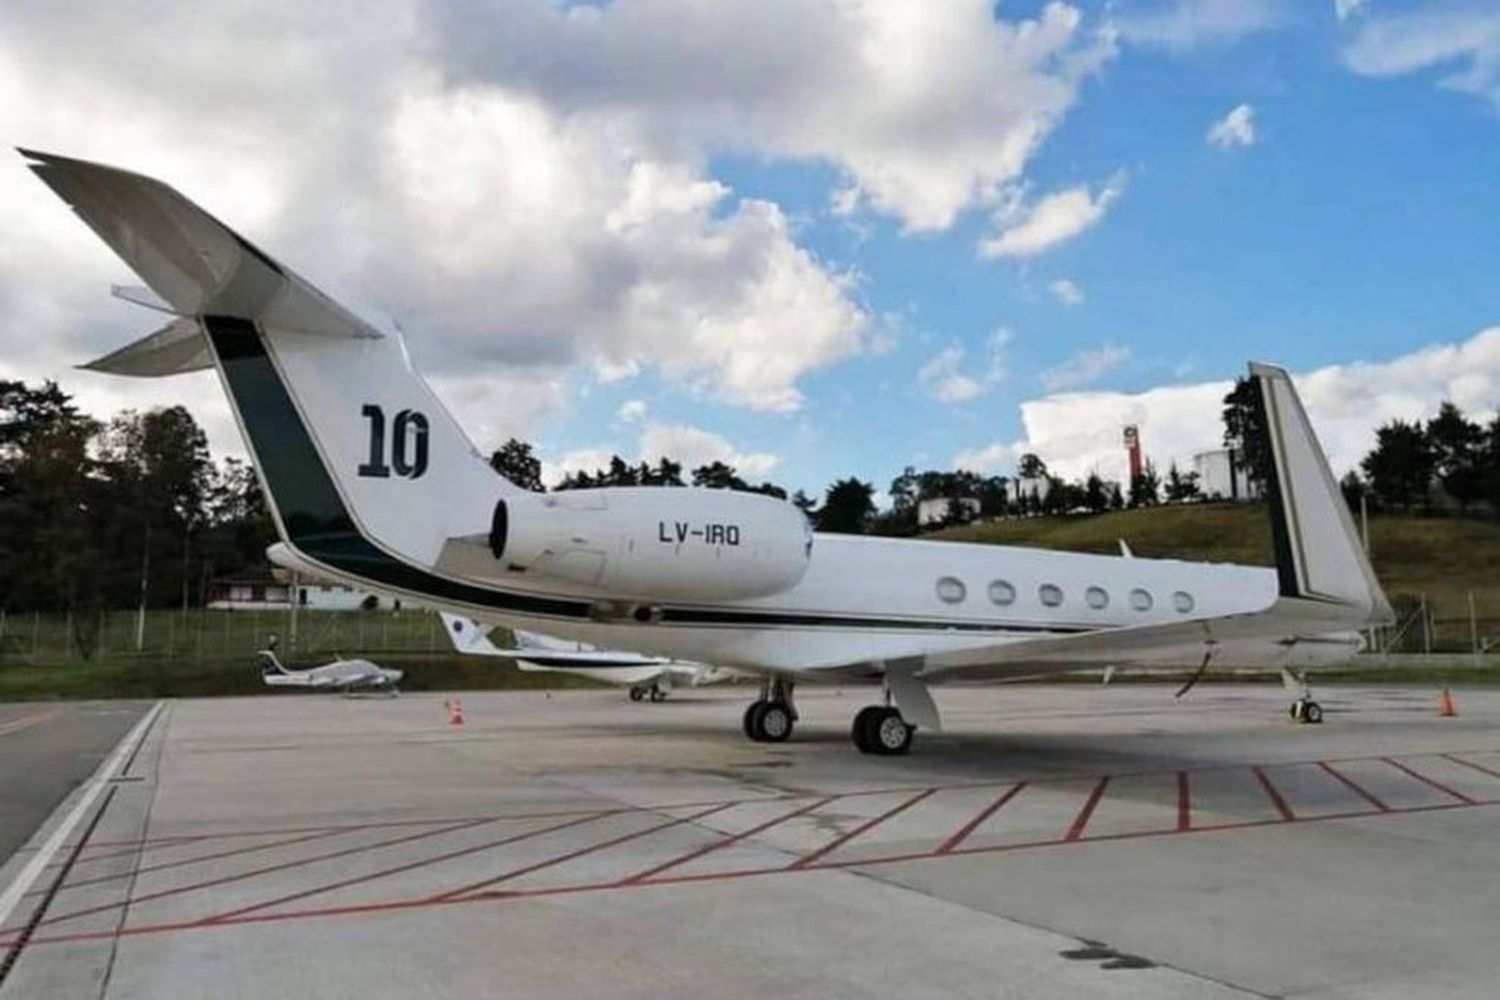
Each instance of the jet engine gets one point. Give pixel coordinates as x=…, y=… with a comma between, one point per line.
x=656, y=543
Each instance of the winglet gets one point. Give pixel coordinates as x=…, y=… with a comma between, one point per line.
x=1319, y=557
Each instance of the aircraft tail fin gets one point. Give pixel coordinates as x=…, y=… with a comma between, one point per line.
x=467, y=635
x=1319, y=556
x=270, y=664
x=365, y=471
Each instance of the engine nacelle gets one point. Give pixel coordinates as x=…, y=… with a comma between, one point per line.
x=656, y=543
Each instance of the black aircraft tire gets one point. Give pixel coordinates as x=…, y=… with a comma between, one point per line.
x=752, y=720
x=863, y=730
x=1312, y=713
x=636, y=694
x=657, y=694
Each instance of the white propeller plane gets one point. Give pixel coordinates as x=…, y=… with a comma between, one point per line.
x=371, y=482
x=340, y=675
x=651, y=677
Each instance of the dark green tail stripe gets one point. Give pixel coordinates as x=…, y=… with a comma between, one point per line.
x=316, y=520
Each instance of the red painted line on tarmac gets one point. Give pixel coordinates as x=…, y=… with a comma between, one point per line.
x=1354, y=786
x=380, y=906
x=198, y=859
x=734, y=839
x=1460, y=796
x=963, y=832
x=267, y=869
x=1275, y=796
x=27, y=721
x=476, y=887
x=1086, y=813
x=411, y=866
x=1469, y=763
x=189, y=861
x=1184, y=803
x=864, y=827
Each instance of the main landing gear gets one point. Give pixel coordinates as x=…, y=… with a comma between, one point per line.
x=770, y=718
x=654, y=691
x=1304, y=709
x=880, y=729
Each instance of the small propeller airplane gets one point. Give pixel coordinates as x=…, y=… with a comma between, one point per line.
x=340, y=675
x=651, y=677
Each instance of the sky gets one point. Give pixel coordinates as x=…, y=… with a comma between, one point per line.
x=811, y=238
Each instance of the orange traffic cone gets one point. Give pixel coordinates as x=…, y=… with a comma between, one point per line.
x=1445, y=705
x=455, y=713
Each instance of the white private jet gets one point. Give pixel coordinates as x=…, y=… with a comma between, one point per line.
x=371, y=482
x=645, y=676
x=340, y=675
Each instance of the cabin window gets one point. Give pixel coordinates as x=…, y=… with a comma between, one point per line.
x=951, y=590
x=1182, y=601
x=1140, y=599
x=1050, y=594
x=1097, y=597
x=1002, y=592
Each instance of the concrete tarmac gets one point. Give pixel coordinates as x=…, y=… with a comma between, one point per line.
x=1056, y=841
x=47, y=748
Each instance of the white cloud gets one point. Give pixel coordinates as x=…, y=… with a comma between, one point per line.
x=1055, y=219
x=926, y=109
x=1237, y=128
x=526, y=219
x=1463, y=40
x=1085, y=367
x=1079, y=432
x=1066, y=291
x=632, y=411
x=582, y=460
x=1345, y=9
x=1183, y=25
x=693, y=447
x=944, y=379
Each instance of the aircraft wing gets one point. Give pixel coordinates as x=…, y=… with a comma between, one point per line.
x=473, y=639
x=1325, y=582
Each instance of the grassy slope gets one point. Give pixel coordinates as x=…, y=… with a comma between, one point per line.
x=1444, y=558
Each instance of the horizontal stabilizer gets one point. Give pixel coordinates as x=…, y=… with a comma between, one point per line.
x=137, y=295
x=177, y=347
x=197, y=265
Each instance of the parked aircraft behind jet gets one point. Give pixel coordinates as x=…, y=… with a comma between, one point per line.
x=340, y=675
x=371, y=482
x=645, y=676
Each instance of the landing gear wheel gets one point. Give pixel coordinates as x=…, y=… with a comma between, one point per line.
x=1307, y=711
x=636, y=694
x=881, y=730
x=657, y=694
x=863, y=728
x=774, y=722
x=769, y=721
x=752, y=726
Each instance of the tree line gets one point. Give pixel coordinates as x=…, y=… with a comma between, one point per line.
x=109, y=514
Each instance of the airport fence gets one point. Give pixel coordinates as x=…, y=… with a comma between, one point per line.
x=210, y=636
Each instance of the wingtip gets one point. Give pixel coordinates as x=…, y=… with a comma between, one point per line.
x=1263, y=370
